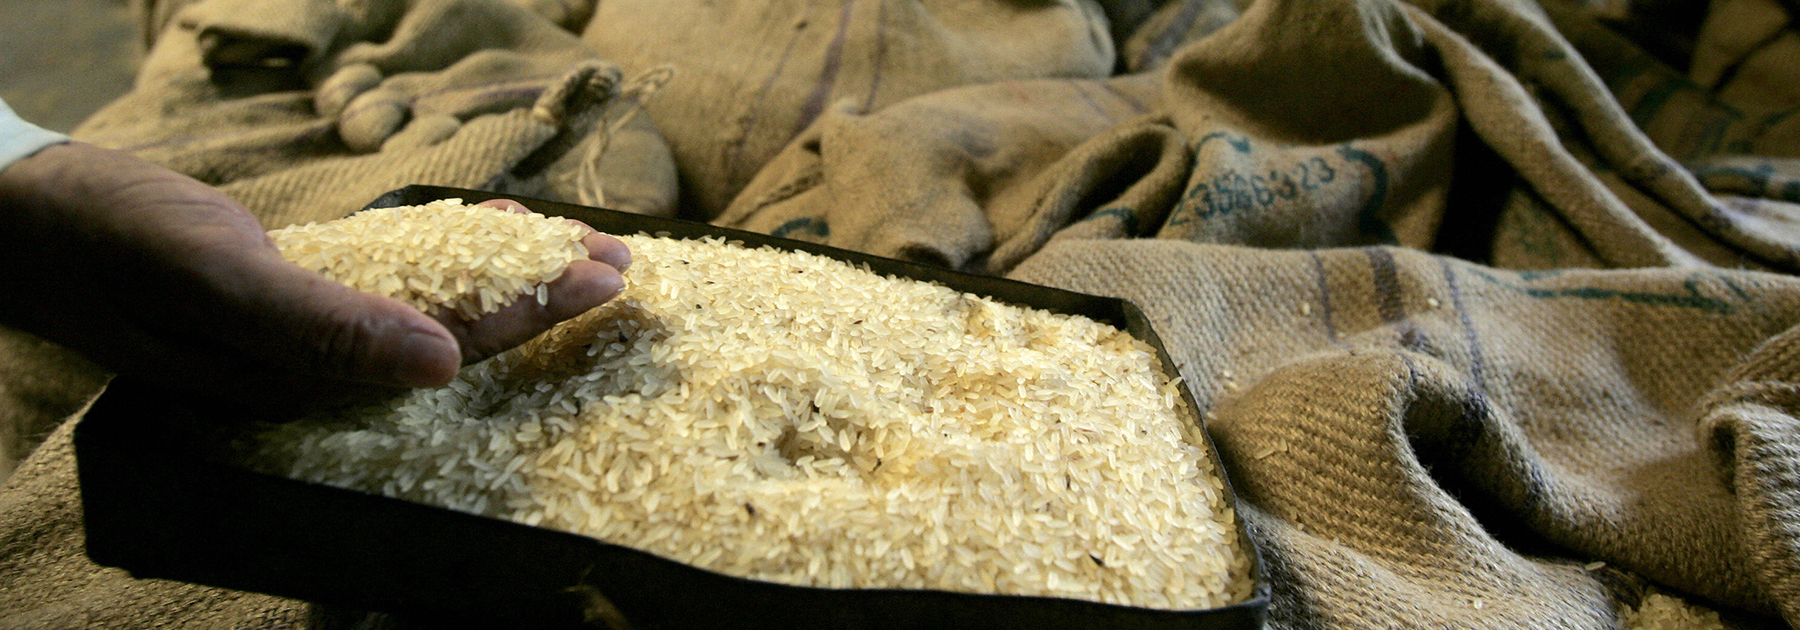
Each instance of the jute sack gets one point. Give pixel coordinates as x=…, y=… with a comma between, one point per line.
x=48, y=583
x=1173, y=25
x=304, y=110
x=41, y=385
x=1691, y=143
x=1279, y=129
x=1728, y=119
x=1497, y=449
x=749, y=77
x=1746, y=55
x=1300, y=133
x=1427, y=442
x=943, y=178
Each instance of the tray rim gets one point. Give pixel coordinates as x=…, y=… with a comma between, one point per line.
x=93, y=439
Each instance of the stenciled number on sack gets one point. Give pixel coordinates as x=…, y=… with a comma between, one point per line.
x=1232, y=191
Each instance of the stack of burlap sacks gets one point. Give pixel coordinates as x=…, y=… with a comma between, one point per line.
x=1489, y=305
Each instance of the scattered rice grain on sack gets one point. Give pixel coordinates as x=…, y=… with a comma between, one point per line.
x=441, y=255
x=788, y=417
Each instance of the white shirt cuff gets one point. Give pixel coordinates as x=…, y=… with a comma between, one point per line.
x=20, y=139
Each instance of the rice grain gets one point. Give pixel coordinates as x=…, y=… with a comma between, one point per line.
x=788, y=417
x=439, y=256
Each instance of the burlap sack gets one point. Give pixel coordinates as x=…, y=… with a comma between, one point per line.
x=1171, y=26
x=1425, y=442
x=1331, y=137
x=153, y=17
x=943, y=178
x=1724, y=103
x=47, y=582
x=306, y=109
x=1704, y=141
x=41, y=385
x=1746, y=55
x=749, y=77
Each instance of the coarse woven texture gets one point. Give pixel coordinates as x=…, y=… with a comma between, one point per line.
x=1477, y=293
x=789, y=417
x=796, y=62
x=41, y=502
x=443, y=256
x=1423, y=399
x=305, y=109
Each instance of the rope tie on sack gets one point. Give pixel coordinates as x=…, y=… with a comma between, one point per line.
x=632, y=96
x=589, y=83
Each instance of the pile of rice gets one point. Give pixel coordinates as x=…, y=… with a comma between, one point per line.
x=787, y=417
x=439, y=256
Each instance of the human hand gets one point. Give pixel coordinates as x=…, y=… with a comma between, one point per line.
x=153, y=274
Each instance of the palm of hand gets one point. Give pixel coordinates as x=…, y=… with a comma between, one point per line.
x=155, y=275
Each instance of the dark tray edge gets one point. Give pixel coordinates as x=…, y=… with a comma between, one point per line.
x=148, y=513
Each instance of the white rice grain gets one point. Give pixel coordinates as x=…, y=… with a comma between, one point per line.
x=439, y=256
x=787, y=417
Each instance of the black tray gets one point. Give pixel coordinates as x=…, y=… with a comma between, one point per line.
x=159, y=508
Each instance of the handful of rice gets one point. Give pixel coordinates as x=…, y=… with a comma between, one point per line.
x=788, y=417
x=439, y=256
